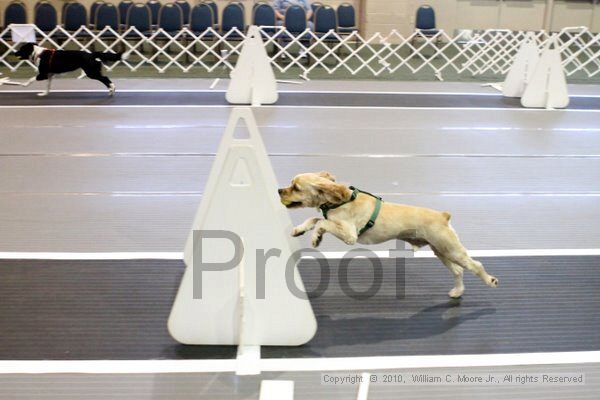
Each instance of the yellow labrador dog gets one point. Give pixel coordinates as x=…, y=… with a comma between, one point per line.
x=355, y=216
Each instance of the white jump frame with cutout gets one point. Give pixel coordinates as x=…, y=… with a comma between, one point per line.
x=253, y=80
x=241, y=197
x=539, y=80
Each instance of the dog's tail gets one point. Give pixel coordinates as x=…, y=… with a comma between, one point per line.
x=107, y=56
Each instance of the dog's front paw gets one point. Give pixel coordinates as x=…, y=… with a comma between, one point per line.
x=350, y=241
x=298, y=232
x=317, y=237
x=492, y=281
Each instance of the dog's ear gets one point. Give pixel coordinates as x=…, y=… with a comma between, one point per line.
x=326, y=175
x=24, y=50
x=26, y=47
x=334, y=193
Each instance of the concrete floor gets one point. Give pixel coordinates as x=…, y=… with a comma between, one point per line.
x=134, y=176
x=107, y=179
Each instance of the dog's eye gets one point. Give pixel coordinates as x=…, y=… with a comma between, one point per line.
x=296, y=187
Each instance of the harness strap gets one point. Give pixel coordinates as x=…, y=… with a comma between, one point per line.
x=325, y=208
x=371, y=221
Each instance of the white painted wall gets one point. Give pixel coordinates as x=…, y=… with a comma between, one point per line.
x=573, y=13
x=523, y=15
x=501, y=14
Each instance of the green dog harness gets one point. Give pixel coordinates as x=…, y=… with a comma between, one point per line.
x=325, y=209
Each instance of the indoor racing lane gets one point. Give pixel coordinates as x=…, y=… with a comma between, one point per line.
x=315, y=99
x=111, y=309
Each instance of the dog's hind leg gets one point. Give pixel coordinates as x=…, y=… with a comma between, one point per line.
x=95, y=72
x=456, y=271
x=450, y=247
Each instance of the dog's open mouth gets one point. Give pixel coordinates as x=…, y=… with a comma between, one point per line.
x=292, y=204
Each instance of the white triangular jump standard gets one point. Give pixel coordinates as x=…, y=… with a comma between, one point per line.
x=548, y=85
x=522, y=69
x=241, y=197
x=252, y=80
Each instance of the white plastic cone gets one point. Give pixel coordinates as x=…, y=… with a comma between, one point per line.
x=548, y=86
x=253, y=80
x=241, y=197
x=522, y=69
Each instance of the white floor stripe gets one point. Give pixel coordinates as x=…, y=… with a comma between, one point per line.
x=276, y=390
x=116, y=366
x=297, y=364
x=410, y=362
x=212, y=86
x=166, y=255
x=305, y=91
x=363, y=387
x=307, y=107
x=133, y=255
x=248, y=360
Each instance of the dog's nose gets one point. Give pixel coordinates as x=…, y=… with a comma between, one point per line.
x=279, y=191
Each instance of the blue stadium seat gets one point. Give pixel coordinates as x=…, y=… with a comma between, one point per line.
x=154, y=6
x=215, y=9
x=124, y=6
x=107, y=14
x=93, y=11
x=346, y=16
x=295, y=19
x=201, y=19
x=140, y=17
x=45, y=16
x=15, y=13
x=185, y=9
x=233, y=17
x=74, y=16
x=170, y=18
x=295, y=23
x=264, y=15
x=62, y=11
x=425, y=21
x=314, y=6
x=326, y=21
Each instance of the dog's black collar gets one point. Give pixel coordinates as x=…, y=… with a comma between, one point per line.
x=326, y=208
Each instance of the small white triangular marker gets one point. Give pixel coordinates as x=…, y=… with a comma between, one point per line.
x=241, y=197
x=252, y=80
x=548, y=86
x=522, y=69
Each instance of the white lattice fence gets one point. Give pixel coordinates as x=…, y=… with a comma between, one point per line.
x=489, y=51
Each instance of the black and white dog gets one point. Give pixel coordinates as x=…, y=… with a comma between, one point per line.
x=50, y=62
